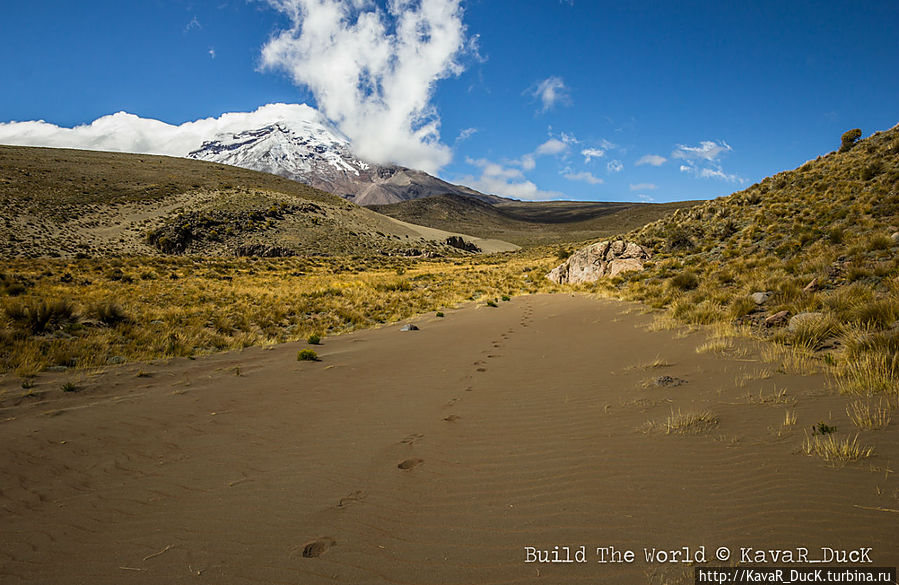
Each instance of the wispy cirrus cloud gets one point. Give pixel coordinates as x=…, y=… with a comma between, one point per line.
x=550, y=92
x=643, y=187
x=708, y=150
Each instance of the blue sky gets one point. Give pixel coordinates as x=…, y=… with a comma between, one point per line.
x=547, y=99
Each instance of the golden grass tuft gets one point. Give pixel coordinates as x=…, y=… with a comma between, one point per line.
x=790, y=418
x=683, y=423
x=834, y=450
x=867, y=415
x=870, y=375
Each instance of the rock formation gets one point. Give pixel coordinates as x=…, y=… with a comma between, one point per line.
x=600, y=260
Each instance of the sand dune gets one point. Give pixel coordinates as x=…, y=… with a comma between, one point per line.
x=433, y=456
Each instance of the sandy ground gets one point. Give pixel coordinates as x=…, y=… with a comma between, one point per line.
x=434, y=456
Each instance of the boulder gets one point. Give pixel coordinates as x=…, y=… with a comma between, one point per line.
x=895, y=237
x=409, y=327
x=800, y=318
x=603, y=259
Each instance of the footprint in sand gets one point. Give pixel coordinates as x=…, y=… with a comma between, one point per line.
x=412, y=439
x=410, y=464
x=493, y=355
x=318, y=547
x=350, y=498
x=482, y=369
x=452, y=418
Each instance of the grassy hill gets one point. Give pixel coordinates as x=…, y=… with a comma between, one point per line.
x=528, y=223
x=821, y=240
x=59, y=202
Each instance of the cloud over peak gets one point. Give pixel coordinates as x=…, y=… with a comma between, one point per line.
x=124, y=132
x=373, y=71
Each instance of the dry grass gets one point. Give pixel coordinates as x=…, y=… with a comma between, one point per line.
x=790, y=418
x=158, y=307
x=790, y=360
x=775, y=397
x=834, y=450
x=684, y=423
x=866, y=414
x=870, y=375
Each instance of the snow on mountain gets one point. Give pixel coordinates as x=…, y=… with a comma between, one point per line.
x=314, y=152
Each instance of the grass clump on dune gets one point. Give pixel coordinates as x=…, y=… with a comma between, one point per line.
x=835, y=450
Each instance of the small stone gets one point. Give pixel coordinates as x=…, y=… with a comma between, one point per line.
x=778, y=318
x=409, y=327
x=759, y=298
x=895, y=237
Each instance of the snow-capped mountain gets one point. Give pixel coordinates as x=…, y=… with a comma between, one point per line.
x=310, y=150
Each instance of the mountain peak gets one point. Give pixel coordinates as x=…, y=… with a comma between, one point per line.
x=297, y=142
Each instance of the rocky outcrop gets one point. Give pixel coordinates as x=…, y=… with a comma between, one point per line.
x=603, y=259
x=460, y=244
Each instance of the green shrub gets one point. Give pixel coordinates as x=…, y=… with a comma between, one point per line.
x=314, y=339
x=849, y=138
x=307, y=355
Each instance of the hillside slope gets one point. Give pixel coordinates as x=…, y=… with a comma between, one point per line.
x=59, y=202
x=819, y=243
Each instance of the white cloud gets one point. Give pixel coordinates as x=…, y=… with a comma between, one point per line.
x=644, y=187
x=591, y=153
x=707, y=150
x=645, y=198
x=373, y=71
x=711, y=173
x=497, y=179
x=583, y=176
x=614, y=166
x=212, y=52
x=701, y=160
x=466, y=134
x=651, y=159
x=551, y=147
x=550, y=91
x=123, y=132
